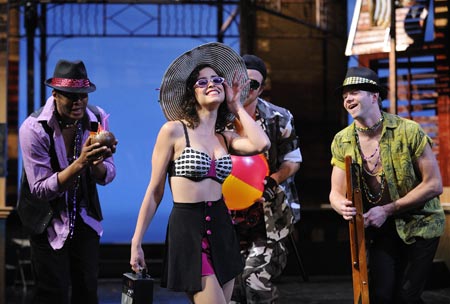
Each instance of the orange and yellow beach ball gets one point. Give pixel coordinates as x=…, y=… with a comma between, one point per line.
x=245, y=184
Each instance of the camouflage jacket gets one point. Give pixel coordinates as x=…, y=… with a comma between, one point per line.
x=278, y=124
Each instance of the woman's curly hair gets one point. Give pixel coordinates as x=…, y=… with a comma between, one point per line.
x=190, y=104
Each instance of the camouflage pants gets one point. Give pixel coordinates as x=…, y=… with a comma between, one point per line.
x=263, y=263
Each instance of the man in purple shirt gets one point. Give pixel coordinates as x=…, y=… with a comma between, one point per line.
x=66, y=252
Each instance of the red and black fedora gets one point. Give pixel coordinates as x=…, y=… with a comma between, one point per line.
x=70, y=76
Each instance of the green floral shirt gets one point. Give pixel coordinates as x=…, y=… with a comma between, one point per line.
x=402, y=143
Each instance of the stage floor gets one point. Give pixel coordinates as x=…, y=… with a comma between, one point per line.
x=318, y=290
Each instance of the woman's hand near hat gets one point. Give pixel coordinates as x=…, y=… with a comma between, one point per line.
x=233, y=93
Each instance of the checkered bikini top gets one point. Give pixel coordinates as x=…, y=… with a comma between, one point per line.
x=197, y=165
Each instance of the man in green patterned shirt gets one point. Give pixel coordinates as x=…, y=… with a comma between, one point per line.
x=400, y=183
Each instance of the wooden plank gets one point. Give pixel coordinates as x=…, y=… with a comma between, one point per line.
x=360, y=276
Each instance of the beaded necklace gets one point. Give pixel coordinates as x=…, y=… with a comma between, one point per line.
x=370, y=129
x=371, y=172
x=373, y=198
x=64, y=125
x=72, y=204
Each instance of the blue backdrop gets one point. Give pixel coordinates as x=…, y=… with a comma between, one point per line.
x=127, y=73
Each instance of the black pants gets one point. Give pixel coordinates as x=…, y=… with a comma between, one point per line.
x=397, y=271
x=75, y=265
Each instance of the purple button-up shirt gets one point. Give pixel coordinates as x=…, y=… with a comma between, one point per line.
x=43, y=180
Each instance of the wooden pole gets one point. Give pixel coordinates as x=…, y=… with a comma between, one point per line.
x=357, y=236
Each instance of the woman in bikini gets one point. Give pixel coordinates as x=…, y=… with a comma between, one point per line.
x=200, y=93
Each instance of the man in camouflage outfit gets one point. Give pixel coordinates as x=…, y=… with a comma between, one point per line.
x=263, y=227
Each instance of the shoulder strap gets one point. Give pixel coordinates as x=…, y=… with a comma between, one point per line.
x=24, y=187
x=96, y=112
x=49, y=131
x=94, y=125
x=37, y=112
x=188, y=144
x=52, y=151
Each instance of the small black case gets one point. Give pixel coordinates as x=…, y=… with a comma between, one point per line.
x=137, y=288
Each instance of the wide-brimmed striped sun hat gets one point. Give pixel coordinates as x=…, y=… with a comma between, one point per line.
x=221, y=58
x=362, y=78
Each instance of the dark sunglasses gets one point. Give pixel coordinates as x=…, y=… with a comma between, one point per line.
x=73, y=96
x=254, y=84
x=203, y=82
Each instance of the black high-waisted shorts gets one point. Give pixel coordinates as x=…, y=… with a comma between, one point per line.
x=188, y=224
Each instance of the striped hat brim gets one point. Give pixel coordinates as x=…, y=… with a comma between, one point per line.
x=221, y=58
x=362, y=78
